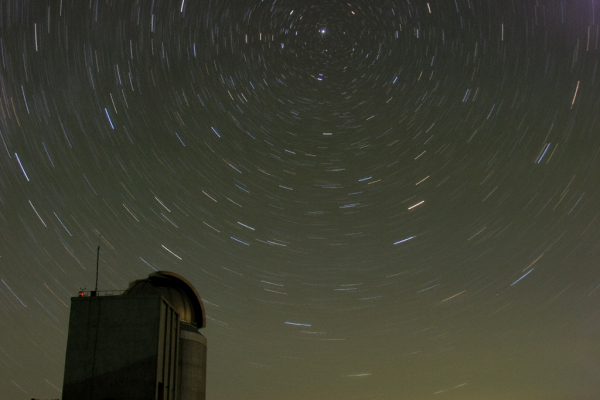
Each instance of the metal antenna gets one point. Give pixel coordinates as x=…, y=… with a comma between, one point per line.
x=97, y=263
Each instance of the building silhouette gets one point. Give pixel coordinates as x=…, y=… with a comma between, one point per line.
x=142, y=344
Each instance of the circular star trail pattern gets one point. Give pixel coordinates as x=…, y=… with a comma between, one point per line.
x=375, y=199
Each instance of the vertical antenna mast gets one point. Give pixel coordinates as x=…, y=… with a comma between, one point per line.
x=97, y=263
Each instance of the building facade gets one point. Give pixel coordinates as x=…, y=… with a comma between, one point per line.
x=143, y=344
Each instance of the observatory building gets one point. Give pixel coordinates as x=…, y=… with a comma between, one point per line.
x=142, y=344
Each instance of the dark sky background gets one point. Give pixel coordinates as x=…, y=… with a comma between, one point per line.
x=375, y=199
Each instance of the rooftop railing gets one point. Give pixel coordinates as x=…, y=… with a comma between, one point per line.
x=94, y=293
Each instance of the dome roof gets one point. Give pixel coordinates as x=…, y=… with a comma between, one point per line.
x=177, y=291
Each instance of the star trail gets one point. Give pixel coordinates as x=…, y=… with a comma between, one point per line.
x=392, y=199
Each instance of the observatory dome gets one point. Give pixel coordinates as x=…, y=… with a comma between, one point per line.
x=177, y=291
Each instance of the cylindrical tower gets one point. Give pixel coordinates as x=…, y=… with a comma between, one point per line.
x=192, y=365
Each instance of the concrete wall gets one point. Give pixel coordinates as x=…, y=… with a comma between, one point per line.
x=116, y=349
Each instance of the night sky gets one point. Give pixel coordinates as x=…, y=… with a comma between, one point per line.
x=384, y=199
